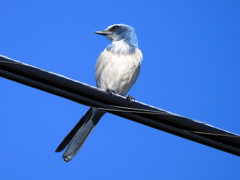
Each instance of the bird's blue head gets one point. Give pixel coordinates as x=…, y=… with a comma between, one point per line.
x=118, y=32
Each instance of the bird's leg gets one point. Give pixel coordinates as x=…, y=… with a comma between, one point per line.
x=130, y=98
x=110, y=91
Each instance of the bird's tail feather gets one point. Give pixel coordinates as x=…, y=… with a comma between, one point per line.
x=71, y=134
x=79, y=133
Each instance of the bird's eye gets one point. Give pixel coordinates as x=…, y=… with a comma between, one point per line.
x=114, y=28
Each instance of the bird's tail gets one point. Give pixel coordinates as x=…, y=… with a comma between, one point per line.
x=77, y=136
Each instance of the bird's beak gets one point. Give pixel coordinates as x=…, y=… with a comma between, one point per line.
x=104, y=32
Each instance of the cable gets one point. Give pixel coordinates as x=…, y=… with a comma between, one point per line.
x=139, y=112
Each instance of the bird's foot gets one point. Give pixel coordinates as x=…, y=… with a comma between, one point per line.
x=130, y=98
x=110, y=91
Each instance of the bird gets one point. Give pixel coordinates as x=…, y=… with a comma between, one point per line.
x=117, y=69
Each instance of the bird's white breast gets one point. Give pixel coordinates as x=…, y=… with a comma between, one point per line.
x=117, y=70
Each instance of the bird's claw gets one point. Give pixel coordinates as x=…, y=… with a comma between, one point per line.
x=110, y=91
x=130, y=98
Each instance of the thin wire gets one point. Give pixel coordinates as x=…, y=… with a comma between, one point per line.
x=213, y=134
x=133, y=110
x=157, y=112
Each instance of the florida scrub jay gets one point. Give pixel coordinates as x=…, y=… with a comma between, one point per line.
x=117, y=69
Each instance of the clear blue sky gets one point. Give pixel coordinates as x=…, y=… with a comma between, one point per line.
x=191, y=67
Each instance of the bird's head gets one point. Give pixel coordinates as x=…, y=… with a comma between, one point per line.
x=118, y=32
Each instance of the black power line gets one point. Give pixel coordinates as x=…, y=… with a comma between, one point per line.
x=142, y=113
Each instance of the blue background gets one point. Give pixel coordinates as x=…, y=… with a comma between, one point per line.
x=191, y=67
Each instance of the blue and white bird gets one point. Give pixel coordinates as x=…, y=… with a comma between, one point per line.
x=117, y=69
